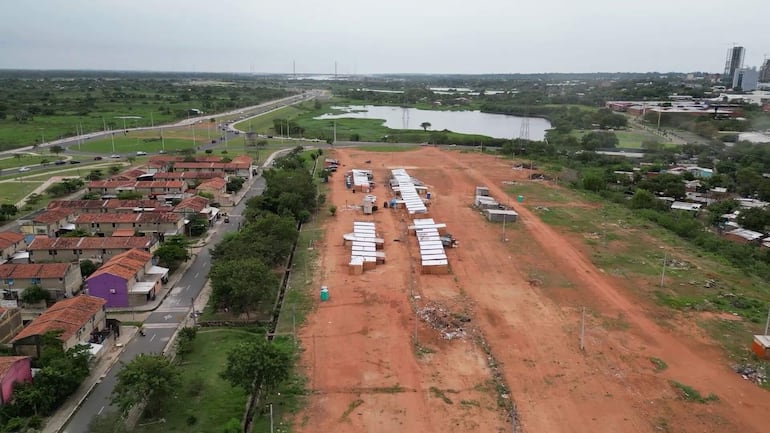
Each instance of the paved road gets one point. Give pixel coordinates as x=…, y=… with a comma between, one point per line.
x=160, y=325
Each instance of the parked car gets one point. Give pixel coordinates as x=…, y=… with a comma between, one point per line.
x=74, y=161
x=116, y=156
x=60, y=162
x=98, y=158
x=23, y=169
x=140, y=153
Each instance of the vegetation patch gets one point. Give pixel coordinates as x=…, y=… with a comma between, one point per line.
x=440, y=394
x=351, y=407
x=658, y=363
x=690, y=394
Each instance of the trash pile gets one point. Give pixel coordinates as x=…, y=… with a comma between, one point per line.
x=752, y=373
x=449, y=325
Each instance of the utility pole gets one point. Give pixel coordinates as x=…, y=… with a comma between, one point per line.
x=271, y=417
x=767, y=324
x=334, y=140
x=582, y=329
x=504, y=219
x=663, y=271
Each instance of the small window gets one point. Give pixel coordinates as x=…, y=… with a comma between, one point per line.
x=113, y=225
x=36, y=281
x=104, y=251
x=9, y=281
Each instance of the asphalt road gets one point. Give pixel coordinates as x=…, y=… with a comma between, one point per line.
x=160, y=325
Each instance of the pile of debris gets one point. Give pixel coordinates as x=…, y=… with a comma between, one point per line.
x=449, y=325
x=752, y=373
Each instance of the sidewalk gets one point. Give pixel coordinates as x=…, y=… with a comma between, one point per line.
x=59, y=419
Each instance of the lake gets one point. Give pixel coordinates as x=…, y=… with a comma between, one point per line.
x=464, y=122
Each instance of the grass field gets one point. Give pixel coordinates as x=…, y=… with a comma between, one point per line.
x=631, y=248
x=204, y=402
x=12, y=192
x=264, y=123
x=24, y=160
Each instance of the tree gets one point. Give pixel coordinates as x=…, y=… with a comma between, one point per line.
x=7, y=211
x=114, y=169
x=34, y=294
x=754, y=219
x=87, y=267
x=425, y=126
x=197, y=225
x=257, y=364
x=642, y=199
x=97, y=174
x=173, y=252
x=77, y=233
x=332, y=210
x=599, y=140
x=149, y=378
x=242, y=284
x=56, y=149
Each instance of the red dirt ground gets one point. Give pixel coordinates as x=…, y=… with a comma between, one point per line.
x=360, y=344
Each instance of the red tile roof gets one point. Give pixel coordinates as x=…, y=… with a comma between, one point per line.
x=152, y=184
x=111, y=204
x=67, y=316
x=44, y=243
x=216, y=184
x=142, y=217
x=188, y=175
x=110, y=184
x=6, y=362
x=195, y=203
x=124, y=265
x=52, y=216
x=9, y=238
x=34, y=270
x=211, y=165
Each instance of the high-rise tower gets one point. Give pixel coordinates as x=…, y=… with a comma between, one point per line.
x=764, y=72
x=733, y=62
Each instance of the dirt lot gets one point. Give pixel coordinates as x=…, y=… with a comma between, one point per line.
x=524, y=297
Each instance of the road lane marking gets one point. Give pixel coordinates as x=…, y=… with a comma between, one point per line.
x=100, y=411
x=153, y=337
x=196, y=275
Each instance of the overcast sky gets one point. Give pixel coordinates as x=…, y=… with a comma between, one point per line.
x=364, y=36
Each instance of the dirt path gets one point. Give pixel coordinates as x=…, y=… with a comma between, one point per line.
x=524, y=297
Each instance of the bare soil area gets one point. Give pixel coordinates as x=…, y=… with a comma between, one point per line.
x=375, y=367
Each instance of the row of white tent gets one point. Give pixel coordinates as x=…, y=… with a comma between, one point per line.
x=412, y=200
x=364, y=246
x=432, y=255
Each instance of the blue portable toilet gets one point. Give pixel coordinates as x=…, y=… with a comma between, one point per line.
x=427, y=195
x=324, y=293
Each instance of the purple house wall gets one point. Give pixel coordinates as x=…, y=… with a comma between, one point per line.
x=110, y=287
x=18, y=369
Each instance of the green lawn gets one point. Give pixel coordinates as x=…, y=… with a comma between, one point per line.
x=24, y=160
x=204, y=402
x=264, y=123
x=12, y=192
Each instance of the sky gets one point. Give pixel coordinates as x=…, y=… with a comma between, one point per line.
x=395, y=36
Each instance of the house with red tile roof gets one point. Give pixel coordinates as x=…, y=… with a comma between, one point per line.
x=156, y=190
x=217, y=187
x=61, y=280
x=49, y=222
x=10, y=244
x=111, y=205
x=43, y=249
x=13, y=370
x=157, y=224
x=127, y=279
x=77, y=320
x=197, y=205
x=191, y=177
x=10, y=323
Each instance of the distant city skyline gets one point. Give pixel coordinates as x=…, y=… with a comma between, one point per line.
x=398, y=36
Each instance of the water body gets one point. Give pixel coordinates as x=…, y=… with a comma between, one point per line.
x=465, y=122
